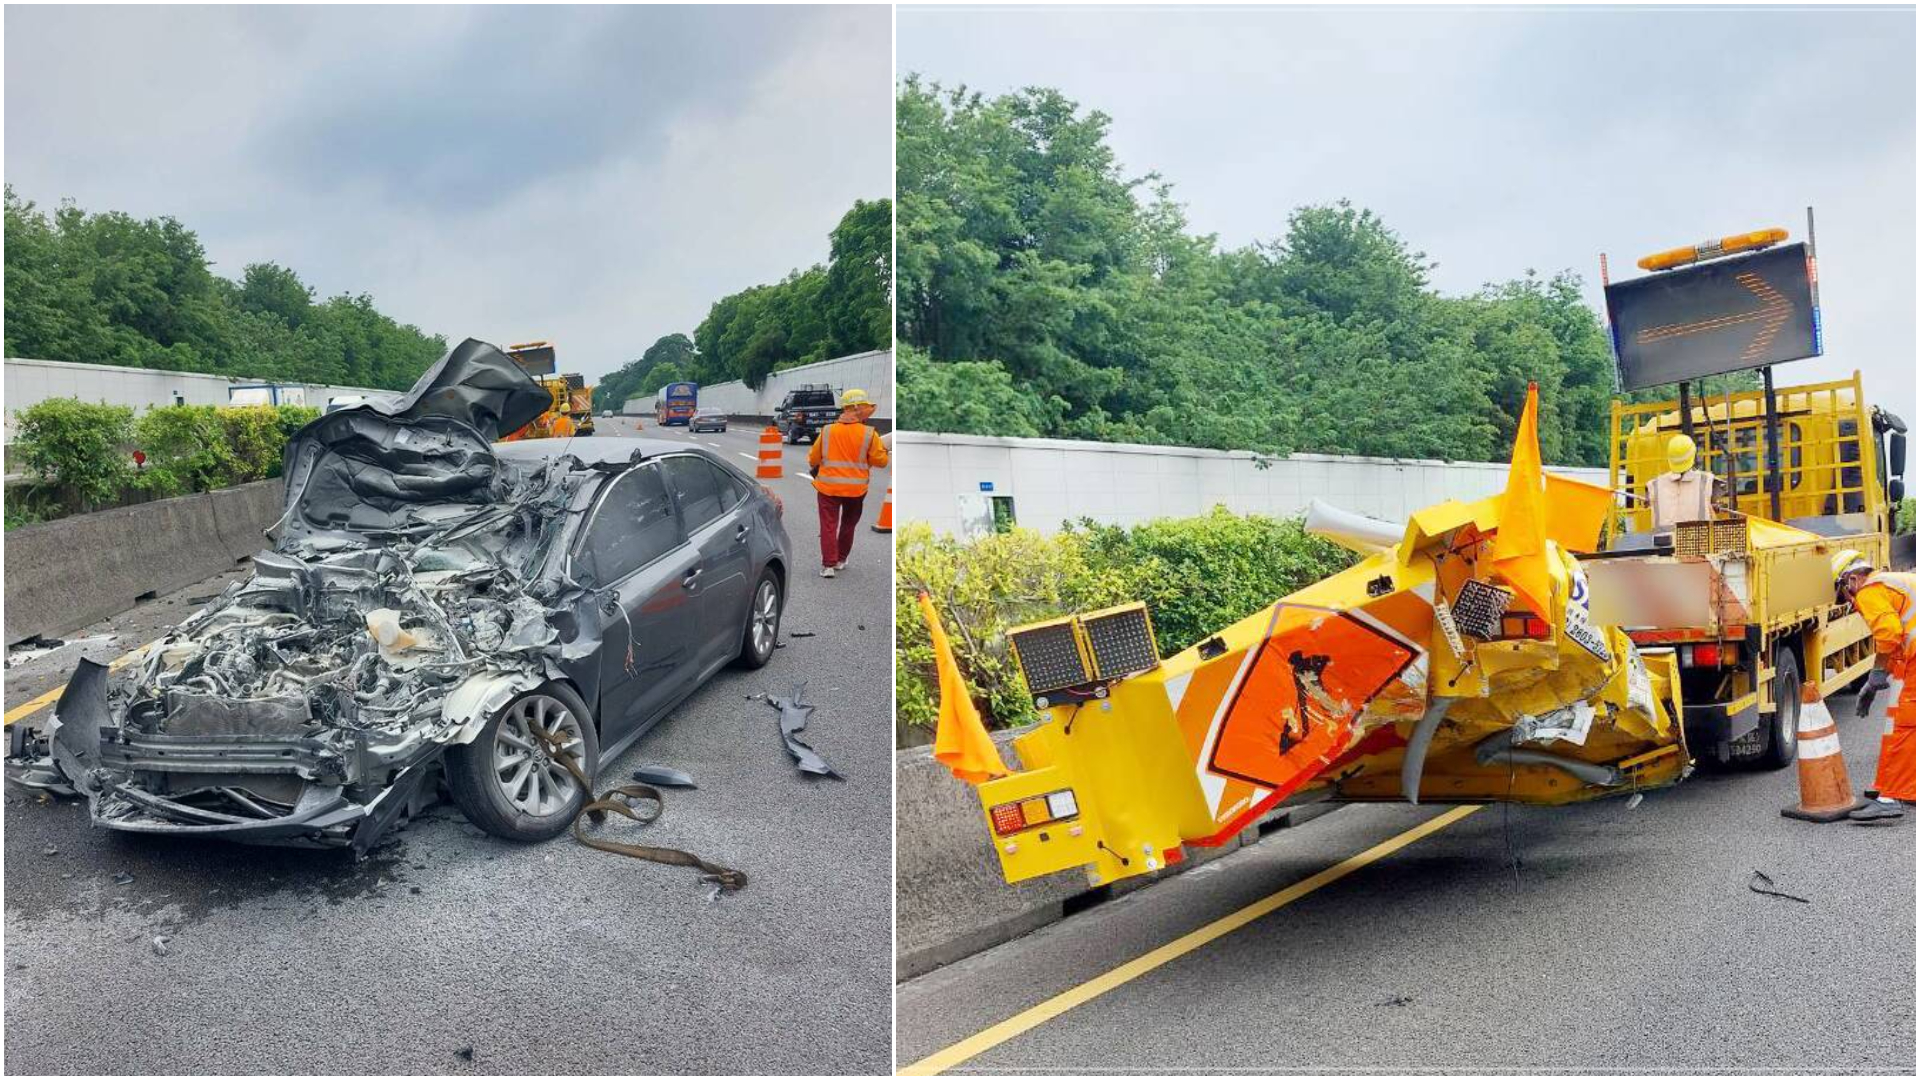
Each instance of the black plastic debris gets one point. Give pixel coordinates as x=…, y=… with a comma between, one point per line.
x=793, y=720
x=465, y=1053
x=1763, y=885
x=1398, y=1001
x=801, y=633
x=663, y=776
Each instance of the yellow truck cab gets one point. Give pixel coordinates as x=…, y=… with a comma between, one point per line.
x=1746, y=598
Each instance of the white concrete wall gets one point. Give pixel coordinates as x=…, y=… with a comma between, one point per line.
x=1056, y=480
x=32, y=381
x=870, y=371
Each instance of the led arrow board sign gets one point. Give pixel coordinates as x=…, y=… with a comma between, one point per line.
x=1727, y=315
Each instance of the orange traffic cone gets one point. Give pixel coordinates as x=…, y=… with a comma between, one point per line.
x=885, y=524
x=1825, y=794
x=770, y=454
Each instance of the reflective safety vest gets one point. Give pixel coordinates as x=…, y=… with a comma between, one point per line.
x=843, y=460
x=1887, y=603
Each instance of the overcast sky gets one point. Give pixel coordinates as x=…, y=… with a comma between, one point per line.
x=594, y=176
x=1497, y=141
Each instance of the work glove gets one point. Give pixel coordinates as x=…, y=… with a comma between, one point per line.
x=1877, y=681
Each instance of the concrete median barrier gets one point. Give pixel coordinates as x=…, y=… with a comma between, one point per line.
x=949, y=898
x=66, y=574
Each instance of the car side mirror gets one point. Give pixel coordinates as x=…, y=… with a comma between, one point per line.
x=1896, y=489
x=1897, y=454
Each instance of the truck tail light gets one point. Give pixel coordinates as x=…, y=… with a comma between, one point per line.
x=1010, y=818
x=1708, y=655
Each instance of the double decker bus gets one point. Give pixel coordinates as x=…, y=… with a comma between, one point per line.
x=675, y=403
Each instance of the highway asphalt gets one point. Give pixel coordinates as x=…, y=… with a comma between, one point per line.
x=1624, y=940
x=448, y=951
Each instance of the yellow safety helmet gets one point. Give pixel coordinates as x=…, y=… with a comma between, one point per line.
x=1848, y=561
x=854, y=397
x=1680, y=454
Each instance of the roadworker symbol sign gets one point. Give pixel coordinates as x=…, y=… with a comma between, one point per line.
x=1314, y=673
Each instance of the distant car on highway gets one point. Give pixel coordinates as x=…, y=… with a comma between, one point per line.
x=439, y=610
x=708, y=420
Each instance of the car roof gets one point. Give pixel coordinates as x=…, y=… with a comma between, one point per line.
x=593, y=450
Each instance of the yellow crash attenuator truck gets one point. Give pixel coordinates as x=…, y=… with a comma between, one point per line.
x=1746, y=602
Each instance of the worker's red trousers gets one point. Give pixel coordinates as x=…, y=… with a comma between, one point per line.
x=1894, y=777
x=839, y=517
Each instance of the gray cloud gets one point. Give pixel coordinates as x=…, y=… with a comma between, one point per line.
x=595, y=175
x=1502, y=140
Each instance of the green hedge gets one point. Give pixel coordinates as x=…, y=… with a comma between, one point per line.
x=80, y=455
x=1195, y=574
x=1903, y=516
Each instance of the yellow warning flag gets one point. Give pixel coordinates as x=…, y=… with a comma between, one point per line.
x=1520, y=546
x=1576, y=512
x=960, y=742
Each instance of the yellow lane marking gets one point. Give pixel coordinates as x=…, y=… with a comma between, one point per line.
x=28, y=708
x=972, y=1046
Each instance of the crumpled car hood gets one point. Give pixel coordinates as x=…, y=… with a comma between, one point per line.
x=404, y=466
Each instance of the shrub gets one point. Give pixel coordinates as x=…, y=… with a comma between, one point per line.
x=254, y=440
x=77, y=450
x=1903, y=516
x=187, y=450
x=293, y=418
x=1196, y=575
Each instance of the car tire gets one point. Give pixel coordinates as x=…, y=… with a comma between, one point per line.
x=1783, y=731
x=762, y=631
x=482, y=777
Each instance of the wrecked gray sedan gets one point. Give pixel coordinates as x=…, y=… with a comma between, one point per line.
x=437, y=610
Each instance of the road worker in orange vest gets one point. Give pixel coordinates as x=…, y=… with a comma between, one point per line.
x=1886, y=600
x=844, y=453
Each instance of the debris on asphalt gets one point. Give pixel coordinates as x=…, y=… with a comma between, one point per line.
x=1763, y=885
x=122, y=878
x=1634, y=801
x=801, y=633
x=465, y=1053
x=793, y=720
x=160, y=946
x=50, y=850
x=1398, y=1001
x=664, y=776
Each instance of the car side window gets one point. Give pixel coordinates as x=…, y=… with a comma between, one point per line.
x=633, y=526
x=697, y=486
x=733, y=490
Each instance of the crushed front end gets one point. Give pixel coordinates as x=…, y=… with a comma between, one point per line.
x=402, y=604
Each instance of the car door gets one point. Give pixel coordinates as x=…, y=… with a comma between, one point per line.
x=722, y=535
x=643, y=577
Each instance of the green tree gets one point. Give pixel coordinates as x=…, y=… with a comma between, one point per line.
x=107, y=288
x=1043, y=290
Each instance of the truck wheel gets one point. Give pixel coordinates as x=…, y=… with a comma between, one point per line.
x=1783, y=733
x=505, y=782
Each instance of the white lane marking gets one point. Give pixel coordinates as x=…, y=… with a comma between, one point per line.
x=749, y=457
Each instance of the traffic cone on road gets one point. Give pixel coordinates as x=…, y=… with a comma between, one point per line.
x=885, y=524
x=1825, y=794
x=770, y=454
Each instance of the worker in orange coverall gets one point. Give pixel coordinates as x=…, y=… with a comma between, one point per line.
x=1886, y=600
